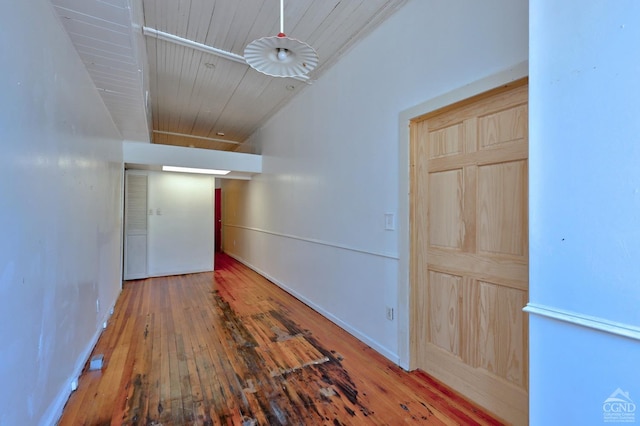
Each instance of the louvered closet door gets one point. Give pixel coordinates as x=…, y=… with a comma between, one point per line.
x=135, y=224
x=470, y=250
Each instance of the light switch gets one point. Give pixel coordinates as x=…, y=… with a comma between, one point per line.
x=159, y=212
x=389, y=221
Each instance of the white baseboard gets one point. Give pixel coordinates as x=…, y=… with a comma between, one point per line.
x=54, y=412
x=393, y=357
x=179, y=272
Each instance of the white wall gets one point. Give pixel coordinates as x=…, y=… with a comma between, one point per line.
x=314, y=220
x=584, y=208
x=60, y=214
x=180, y=225
x=241, y=165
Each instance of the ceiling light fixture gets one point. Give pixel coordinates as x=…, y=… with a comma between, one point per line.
x=181, y=41
x=281, y=56
x=192, y=170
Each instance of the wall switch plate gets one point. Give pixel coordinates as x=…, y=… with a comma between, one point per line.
x=389, y=221
x=389, y=313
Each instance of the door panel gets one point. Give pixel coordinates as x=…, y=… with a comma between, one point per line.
x=470, y=249
x=444, y=312
x=445, y=203
x=135, y=225
x=501, y=203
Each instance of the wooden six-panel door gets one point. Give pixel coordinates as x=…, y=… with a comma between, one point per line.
x=469, y=260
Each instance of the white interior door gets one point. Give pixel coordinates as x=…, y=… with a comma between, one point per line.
x=135, y=225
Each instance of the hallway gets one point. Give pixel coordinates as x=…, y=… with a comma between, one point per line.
x=231, y=348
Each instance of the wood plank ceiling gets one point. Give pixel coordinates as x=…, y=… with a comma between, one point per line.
x=165, y=87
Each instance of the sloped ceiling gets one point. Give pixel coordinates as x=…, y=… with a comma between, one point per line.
x=156, y=66
x=108, y=38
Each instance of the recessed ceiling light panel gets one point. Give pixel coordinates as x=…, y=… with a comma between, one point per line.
x=194, y=170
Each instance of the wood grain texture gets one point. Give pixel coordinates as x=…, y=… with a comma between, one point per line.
x=444, y=311
x=505, y=126
x=231, y=348
x=502, y=225
x=469, y=248
x=447, y=141
x=445, y=199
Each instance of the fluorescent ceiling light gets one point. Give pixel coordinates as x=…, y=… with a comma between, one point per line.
x=192, y=170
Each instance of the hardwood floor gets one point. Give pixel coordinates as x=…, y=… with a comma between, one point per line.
x=231, y=348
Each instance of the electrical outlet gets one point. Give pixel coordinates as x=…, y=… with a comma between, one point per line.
x=389, y=313
x=96, y=362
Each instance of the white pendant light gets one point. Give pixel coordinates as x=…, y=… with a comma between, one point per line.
x=281, y=56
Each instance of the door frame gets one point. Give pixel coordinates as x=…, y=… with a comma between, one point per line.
x=217, y=220
x=502, y=78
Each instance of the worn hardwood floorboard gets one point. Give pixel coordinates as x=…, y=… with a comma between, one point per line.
x=231, y=348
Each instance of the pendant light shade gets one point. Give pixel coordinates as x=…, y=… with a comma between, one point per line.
x=281, y=56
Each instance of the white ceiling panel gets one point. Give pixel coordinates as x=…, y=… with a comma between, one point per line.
x=114, y=13
x=198, y=98
x=108, y=40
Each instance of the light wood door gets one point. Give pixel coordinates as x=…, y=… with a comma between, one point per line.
x=470, y=249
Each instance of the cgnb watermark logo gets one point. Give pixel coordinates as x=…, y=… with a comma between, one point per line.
x=619, y=408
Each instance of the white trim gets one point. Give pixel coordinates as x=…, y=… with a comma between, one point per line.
x=55, y=410
x=122, y=230
x=157, y=274
x=588, y=321
x=393, y=357
x=314, y=241
x=493, y=81
x=205, y=138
